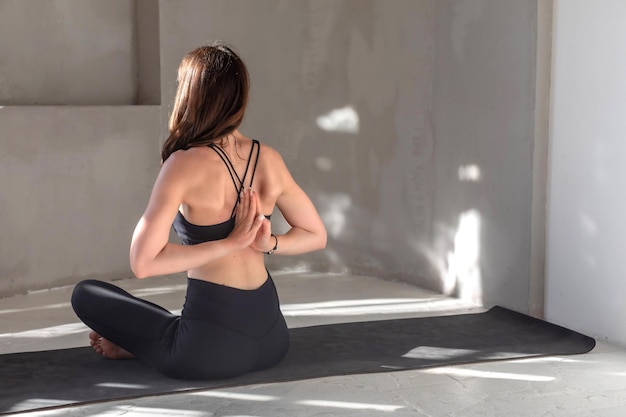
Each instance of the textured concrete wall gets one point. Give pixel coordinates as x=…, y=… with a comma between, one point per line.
x=435, y=187
x=147, y=47
x=316, y=67
x=67, y=52
x=410, y=124
x=74, y=174
x=73, y=181
x=484, y=124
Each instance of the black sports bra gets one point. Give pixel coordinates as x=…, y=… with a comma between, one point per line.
x=192, y=234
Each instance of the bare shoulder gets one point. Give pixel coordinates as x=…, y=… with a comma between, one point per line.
x=185, y=157
x=282, y=180
x=274, y=159
x=270, y=153
x=190, y=161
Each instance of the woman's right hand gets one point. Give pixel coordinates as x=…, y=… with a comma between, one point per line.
x=263, y=241
x=247, y=220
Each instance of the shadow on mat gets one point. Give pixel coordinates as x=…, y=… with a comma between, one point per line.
x=46, y=379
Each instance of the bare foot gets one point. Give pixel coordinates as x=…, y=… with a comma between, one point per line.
x=108, y=349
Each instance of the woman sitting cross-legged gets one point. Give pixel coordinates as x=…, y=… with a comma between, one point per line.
x=217, y=188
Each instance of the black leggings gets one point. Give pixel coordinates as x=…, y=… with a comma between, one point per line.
x=222, y=331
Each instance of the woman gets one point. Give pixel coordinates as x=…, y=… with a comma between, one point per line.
x=217, y=188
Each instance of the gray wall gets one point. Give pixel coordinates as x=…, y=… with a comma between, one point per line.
x=58, y=52
x=88, y=52
x=484, y=128
x=73, y=182
x=384, y=111
x=77, y=157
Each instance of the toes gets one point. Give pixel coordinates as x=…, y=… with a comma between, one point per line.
x=95, y=342
x=98, y=350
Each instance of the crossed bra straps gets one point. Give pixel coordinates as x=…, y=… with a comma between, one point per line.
x=239, y=182
x=191, y=234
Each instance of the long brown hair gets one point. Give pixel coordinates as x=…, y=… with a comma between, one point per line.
x=211, y=98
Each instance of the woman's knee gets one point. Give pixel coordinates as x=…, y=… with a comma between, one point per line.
x=83, y=295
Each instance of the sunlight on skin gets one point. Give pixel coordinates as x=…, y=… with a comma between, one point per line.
x=350, y=405
x=488, y=374
x=343, y=120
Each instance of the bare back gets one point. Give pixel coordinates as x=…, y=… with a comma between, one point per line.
x=212, y=196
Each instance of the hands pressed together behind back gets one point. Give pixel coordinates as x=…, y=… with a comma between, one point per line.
x=251, y=229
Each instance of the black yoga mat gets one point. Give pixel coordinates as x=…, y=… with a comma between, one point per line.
x=50, y=379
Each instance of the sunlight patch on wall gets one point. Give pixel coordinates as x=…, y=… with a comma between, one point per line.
x=333, y=210
x=469, y=173
x=343, y=120
x=323, y=163
x=463, y=274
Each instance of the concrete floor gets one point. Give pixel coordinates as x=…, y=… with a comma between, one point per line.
x=590, y=385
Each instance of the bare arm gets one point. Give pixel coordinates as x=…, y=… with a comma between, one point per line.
x=150, y=252
x=307, y=232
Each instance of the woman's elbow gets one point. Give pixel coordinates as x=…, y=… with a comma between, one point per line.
x=140, y=274
x=140, y=269
x=322, y=239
